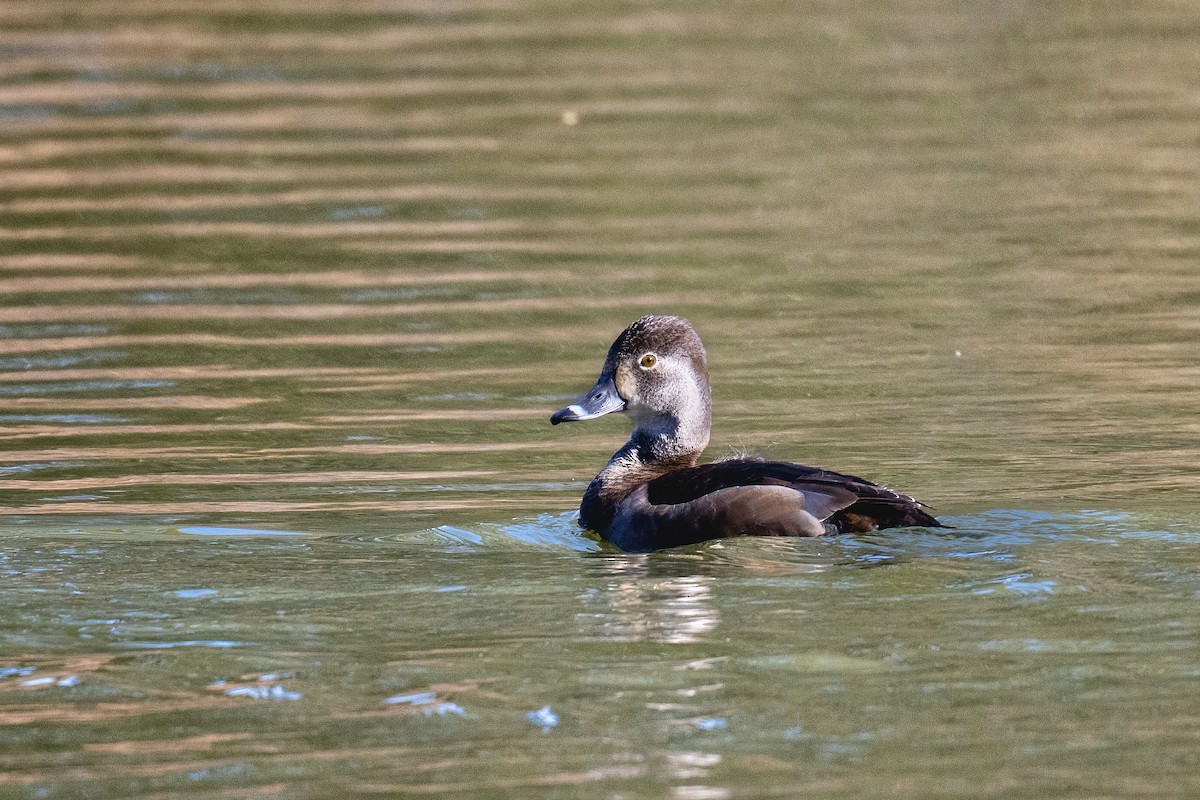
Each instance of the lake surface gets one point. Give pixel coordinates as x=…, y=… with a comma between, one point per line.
x=288, y=292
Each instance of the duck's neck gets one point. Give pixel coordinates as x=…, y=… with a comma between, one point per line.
x=655, y=448
x=666, y=440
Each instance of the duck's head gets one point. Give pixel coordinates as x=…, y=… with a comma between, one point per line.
x=656, y=372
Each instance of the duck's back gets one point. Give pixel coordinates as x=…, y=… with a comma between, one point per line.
x=751, y=496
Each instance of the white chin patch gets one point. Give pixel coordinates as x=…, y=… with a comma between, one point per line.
x=577, y=410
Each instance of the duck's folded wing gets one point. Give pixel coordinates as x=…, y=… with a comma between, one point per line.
x=684, y=485
x=844, y=502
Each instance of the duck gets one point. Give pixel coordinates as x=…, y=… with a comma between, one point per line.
x=653, y=493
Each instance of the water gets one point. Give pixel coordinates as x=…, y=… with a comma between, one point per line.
x=291, y=289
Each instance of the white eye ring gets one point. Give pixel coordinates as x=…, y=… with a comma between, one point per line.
x=648, y=361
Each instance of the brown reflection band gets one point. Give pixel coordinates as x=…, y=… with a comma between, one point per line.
x=484, y=500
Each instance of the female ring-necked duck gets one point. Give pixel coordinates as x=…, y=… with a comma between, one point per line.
x=653, y=495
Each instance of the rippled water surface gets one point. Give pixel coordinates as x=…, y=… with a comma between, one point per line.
x=288, y=291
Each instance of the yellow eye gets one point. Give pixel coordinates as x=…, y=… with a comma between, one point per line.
x=648, y=360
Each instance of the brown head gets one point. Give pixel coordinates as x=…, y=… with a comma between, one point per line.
x=656, y=372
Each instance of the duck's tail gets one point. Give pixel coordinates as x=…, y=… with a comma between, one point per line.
x=875, y=513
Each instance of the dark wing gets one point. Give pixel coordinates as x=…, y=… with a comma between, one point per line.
x=846, y=502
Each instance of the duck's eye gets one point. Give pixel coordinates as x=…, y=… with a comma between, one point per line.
x=648, y=360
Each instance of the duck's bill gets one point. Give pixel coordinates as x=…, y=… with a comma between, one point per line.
x=602, y=399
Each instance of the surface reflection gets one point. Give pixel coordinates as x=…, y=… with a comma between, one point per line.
x=638, y=603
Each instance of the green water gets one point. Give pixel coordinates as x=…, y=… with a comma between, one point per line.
x=289, y=290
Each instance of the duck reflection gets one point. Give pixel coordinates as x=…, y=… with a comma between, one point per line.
x=655, y=599
x=644, y=601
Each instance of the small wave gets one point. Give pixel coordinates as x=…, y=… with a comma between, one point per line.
x=207, y=530
x=552, y=531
